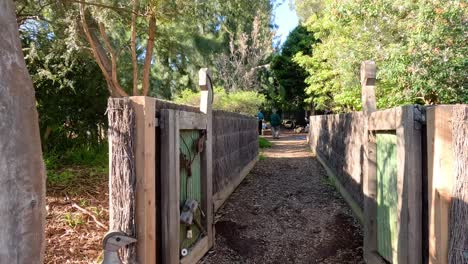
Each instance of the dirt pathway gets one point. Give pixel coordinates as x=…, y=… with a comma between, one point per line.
x=286, y=211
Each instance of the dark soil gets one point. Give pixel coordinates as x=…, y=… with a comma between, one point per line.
x=286, y=211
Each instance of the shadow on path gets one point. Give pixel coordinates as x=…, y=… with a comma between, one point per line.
x=286, y=211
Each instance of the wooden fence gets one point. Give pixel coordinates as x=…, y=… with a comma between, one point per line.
x=404, y=174
x=171, y=167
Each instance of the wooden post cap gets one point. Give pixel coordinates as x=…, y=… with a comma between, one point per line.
x=204, y=79
x=368, y=72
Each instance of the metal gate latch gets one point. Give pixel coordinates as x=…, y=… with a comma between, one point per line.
x=112, y=242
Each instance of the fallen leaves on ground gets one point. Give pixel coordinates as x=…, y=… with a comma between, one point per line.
x=72, y=236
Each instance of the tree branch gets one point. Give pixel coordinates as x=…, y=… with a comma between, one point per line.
x=149, y=53
x=111, y=51
x=115, y=8
x=101, y=59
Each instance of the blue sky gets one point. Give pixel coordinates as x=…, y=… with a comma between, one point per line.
x=286, y=19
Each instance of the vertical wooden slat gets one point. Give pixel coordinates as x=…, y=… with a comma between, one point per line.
x=368, y=75
x=207, y=160
x=413, y=174
x=170, y=186
x=440, y=180
x=145, y=168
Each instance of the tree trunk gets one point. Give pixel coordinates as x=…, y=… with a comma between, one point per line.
x=22, y=175
x=149, y=53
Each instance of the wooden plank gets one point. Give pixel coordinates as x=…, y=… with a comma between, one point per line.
x=370, y=202
x=368, y=77
x=197, y=252
x=440, y=180
x=402, y=187
x=385, y=120
x=145, y=161
x=206, y=107
x=374, y=258
x=221, y=197
x=190, y=120
x=170, y=181
x=413, y=175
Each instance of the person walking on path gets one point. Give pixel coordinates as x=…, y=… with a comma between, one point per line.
x=275, y=121
x=260, y=118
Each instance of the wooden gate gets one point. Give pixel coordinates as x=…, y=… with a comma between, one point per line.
x=393, y=187
x=186, y=181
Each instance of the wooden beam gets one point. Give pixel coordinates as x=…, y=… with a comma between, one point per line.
x=197, y=252
x=441, y=170
x=145, y=169
x=368, y=77
x=170, y=187
x=413, y=175
x=206, y=107
x=369, y=169
x=389, y=119
x=190, y=120
x=370, y=199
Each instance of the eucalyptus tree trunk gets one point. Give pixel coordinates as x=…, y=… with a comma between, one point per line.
x=22, y=176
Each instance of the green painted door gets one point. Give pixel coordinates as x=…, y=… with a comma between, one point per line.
x=387, y=196
x=190, y=186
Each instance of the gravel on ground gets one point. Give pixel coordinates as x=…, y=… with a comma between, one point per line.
x=286, y=211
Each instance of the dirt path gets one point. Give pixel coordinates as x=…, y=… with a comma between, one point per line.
x=286, y=211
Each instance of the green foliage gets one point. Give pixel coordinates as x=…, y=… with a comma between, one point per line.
x=245, y=102
x=94, y=156
x=289, y=75
x=73, y=219
x=60, y=178
x=66, y=168
x=419, y=47
x=263, y=143
x=71, y=95
x=190, y=34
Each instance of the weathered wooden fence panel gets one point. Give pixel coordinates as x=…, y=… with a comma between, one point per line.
x=341, y=140
x=338, y=141
x=235, y=151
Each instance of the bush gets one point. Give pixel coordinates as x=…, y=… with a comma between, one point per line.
x=263, y=143
x=244, y=102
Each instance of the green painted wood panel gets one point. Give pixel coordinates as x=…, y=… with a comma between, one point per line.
x=387, y=196
x=190, y=187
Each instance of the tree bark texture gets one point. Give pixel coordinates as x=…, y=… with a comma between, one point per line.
x=458, y=253
x=122, y=177
x=22, y=175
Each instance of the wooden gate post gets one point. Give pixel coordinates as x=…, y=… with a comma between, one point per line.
x=206, y=106
x=368, y=76
x=132, y=175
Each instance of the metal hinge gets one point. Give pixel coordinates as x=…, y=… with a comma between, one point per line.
x=156, y=122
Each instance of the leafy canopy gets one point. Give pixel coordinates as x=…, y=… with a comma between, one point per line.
x=419, y=47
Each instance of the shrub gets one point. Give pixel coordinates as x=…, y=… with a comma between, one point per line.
x=263, y=143
x=244, y=102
